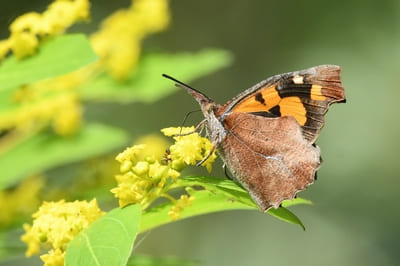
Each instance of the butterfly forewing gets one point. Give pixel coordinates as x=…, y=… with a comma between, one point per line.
x=304, y=95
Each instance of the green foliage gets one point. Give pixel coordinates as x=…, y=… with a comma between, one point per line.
x=56, y=57
x=146, y=83
x=218, y=195
x=46, y=150
x=108, y=241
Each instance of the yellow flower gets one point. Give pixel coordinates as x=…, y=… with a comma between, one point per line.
x=29, y=22
x=5, y=47
x=63, y=110
x=68, y=119
x=189, y=148
x=29, y=29
x=130, y=153
x=55, y=224
x=55, y=257
x=118, y=41
x=172, y=131
x=20, y=201
x=140, y=181
x=24, y=44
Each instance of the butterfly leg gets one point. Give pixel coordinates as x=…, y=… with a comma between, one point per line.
x=226, y=172
x=208, y=155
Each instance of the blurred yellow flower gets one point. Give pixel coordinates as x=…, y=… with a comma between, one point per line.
x=63, y=110
x=29, y=29
x=69, y=116
x=24, y=44
x=118, y=40
x=55, y=224
x=20, y=201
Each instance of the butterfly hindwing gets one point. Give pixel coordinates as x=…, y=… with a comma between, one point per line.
x=272, y=170
x=304, y=95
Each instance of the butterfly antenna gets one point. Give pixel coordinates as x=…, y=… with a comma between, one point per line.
x=178, y=83
x=190, y=89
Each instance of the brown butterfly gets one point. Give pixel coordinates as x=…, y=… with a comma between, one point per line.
x=266, y=134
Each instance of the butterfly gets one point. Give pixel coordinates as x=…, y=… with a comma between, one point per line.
x=266, y=135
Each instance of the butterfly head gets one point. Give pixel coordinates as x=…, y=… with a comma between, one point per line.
x=207, y=105
x=215, y=129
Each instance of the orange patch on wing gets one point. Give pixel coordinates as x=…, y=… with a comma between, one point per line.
x=251, y=104
x=316, y=93
x=292, y=106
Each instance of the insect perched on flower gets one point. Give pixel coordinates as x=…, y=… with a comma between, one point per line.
x=266, y=134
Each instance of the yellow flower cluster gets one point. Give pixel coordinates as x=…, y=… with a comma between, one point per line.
x=118, y=41
x=29, y=29
x=143, y=181
x=189, y=149
x=20, y=201
x=140, y=181
x=56, y=224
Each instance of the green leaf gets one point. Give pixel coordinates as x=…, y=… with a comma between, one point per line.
x=296, y=201
x=285, y=215
x=58, y=56
x=150, y=261
x=108, y=241
x=219, y=195
x=147, y=84
x=205, y=202
x=46, y=150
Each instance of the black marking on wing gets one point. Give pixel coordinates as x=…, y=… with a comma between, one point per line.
x=260, y=98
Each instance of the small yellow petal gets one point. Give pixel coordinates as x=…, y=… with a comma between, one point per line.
x=24, y=44
x=171, y=131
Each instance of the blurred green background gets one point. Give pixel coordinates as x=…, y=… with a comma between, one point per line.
x=354, y=220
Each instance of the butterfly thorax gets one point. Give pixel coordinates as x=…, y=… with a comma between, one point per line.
x=215, y=129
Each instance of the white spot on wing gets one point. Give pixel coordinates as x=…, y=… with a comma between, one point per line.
x=298, y=79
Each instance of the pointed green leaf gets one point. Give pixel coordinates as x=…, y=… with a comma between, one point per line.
x=285, y=215
x=108, y=241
